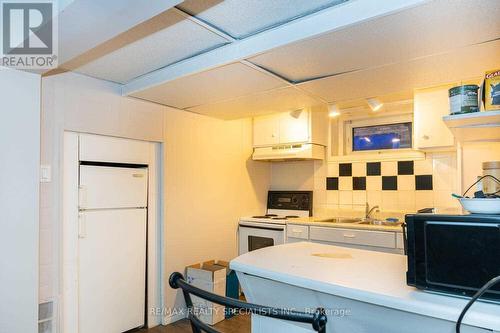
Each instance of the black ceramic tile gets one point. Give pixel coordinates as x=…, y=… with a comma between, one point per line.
x=423, y=182
x=405, y=167
x=345, y=169
x=373, y=169
x=359, y=183
x=332, y=183
x=389, y=183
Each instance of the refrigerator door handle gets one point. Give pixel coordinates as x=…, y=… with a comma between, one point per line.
x=82, y=226
x=82, y=197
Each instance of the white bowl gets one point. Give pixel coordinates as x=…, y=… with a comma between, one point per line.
x=481, y=205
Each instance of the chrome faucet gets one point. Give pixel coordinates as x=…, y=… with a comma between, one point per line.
x=369, y=211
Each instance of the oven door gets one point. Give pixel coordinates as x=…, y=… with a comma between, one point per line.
x=254, y=235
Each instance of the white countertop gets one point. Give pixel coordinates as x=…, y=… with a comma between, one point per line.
x=368, y=276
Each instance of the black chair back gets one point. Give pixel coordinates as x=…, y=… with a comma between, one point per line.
x=317, y=319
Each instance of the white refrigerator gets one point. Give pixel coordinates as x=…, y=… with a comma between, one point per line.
x=112, y=248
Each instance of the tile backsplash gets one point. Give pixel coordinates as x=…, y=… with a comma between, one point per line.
x=404, y=186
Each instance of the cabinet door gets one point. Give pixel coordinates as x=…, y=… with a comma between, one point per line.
x=265, y=130
x=294, y=127
x=430, y=106
x=353, y=236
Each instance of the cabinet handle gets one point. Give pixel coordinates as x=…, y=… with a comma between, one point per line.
x=82, y=197
x=425, y=137
x=82, y=226
x=349, y=236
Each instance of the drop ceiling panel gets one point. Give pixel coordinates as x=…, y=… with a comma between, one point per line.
x=434, y=27
x=215, y=85
x=278, y=100
x=461, y=64
x=181, y=39
x=241, y=18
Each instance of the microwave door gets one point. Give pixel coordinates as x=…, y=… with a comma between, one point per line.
x=461, y=256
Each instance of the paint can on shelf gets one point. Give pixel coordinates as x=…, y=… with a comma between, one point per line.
x=464, y=99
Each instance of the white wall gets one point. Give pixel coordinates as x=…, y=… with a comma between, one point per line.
x=209, y=177
x=210, y=181
x=473, y=156
x=79, y=103
x=19, y=195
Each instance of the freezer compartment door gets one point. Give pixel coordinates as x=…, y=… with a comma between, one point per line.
x=112, y=262
x=112, y=187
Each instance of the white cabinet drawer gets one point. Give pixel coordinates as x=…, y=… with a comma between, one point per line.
x=297, y=231
x=399, y=240
x=352, y=236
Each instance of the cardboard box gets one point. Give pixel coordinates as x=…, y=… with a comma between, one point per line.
x=492, y=90
x=232, y=286
x=211, y=277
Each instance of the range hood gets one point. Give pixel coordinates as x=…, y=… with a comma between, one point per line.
x=294, y=152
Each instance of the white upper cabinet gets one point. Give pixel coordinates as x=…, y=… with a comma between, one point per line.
x=430, y=105
x=266, y=130
x=295, y=127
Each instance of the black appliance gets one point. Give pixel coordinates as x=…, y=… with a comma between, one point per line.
x=290, y=200
x=453, y=254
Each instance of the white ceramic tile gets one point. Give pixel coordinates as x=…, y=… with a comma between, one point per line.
x=359, y=169
x=333, y=169
x=406, y=182
x=332, y=206
x=406, y=201
x=443, y=199
x=359, y=198
x=424, y=199
x=374, y=198
x=444, y=171
x=389, y=168
x=319, y=183
x=320, y=168
x=345, y=207
x=345, y=197
x=345, y=183
x=423, y=167
x=360, y=208
x=319, y=197
x=332, y=197
x=374, y=183
x=389, y=200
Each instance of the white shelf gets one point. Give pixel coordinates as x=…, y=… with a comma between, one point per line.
x=477, y=126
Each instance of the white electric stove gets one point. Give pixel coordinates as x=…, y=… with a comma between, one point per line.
x=260, y=231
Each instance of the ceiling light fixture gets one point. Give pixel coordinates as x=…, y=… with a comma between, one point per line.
x=374, y=104
x=333, y=110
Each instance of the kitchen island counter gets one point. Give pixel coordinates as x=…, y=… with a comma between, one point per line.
x=368, y=278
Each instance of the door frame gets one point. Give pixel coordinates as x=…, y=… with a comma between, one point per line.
x=69, y=234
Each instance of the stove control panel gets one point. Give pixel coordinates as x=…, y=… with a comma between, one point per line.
x=290, y=200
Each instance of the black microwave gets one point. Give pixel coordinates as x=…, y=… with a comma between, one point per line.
x=453, y=254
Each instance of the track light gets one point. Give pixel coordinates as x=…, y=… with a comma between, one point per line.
x=333, y=110
x=374, y=104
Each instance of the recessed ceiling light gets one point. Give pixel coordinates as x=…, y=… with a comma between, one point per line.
x=374, y=104
x=333, y=110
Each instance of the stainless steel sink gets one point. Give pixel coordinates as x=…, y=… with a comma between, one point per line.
x=332, y=220
x=349, y=220
x=379, y=222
